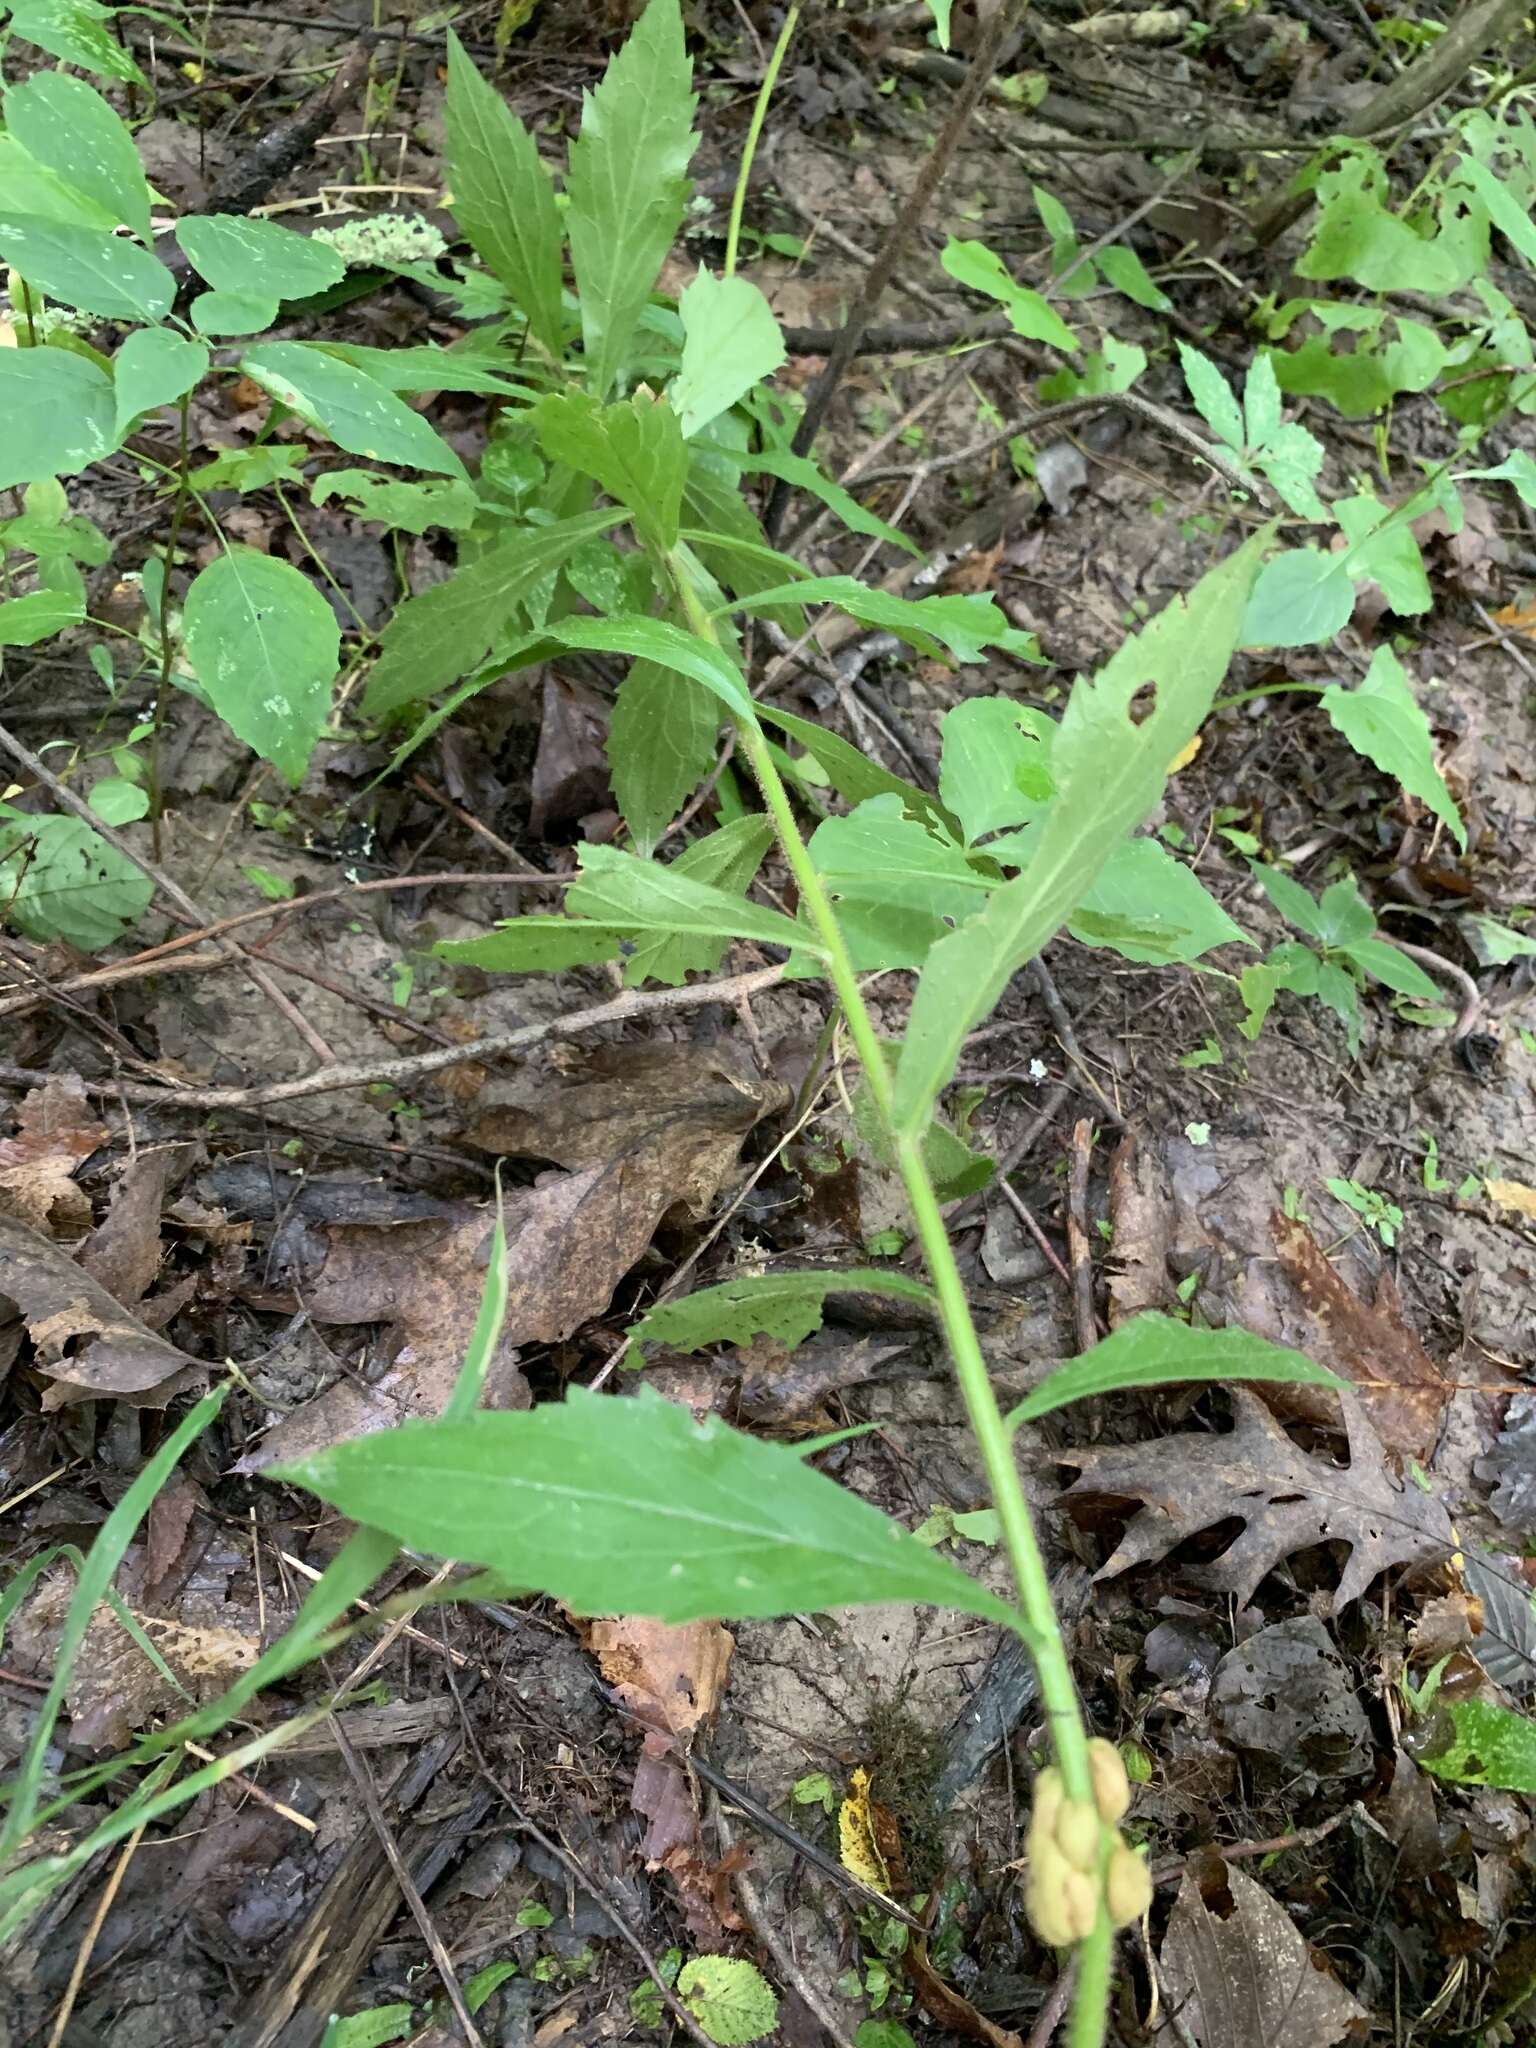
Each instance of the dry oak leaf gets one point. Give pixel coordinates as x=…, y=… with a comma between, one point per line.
x=1402, y=1390
x=55, y=1130
x=1286, y=1500
x=1239, y=1975
x=1512, y=1194
x=83, y=1340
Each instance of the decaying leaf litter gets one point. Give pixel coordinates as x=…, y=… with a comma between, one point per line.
x=1265, y=1569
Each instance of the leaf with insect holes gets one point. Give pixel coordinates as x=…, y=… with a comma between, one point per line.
x=94, y=273
x=631, y=1507
x=412, y=508
x=634, y=895
x=1111, y=770
x=634, y=449
x=65, y=125
x=627, y=185
x=504, y=196
x=154, y=367
x=1508, y=214
x=1381, y=719
x=971, y=263
x=788, y=1307
x=995, y=768
x=76, y=31
x=898, y=887
x=731, y=342
x=441, y=635
x=58, y=411
x=661, y=742
x=1153, y=1350
x=61, y=880
x=1302, y=597
x=1354, y=236
x=264, y=645
x=358, y=414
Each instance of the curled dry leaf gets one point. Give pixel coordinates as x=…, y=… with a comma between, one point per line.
x=123, y=1251
x=86, y=1343
x=1239, y=1975
x=55, y=1130
x=1286, y=1500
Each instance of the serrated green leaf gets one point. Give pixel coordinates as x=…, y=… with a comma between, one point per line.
x=1261, y=403
x=358, y=414
x=1111, y=771
x=154, y=367
x=897, y=886
x=1302, y=597
x=627, y=185
x=234, y=253
x=972, y=263
x=66, y=125
x=788, y=1307
x=727, y=859
x=504, y=196
x=1488, y=1745
x=448, y=630
x=1153, y=1350
x=633, y=449
x=26, y=620
x=264, y=645
x=1386, y=964
x=730, y=1998
x=1124, y=269
x=61, y=880
x=77, y=31
x=632, y=895
x=58, y=411
x=1291, y=461
x=1381, y=719
x=661, y=744
x=631, y=1507
x=413, y=508
x=95, y=273
x=731, y=342
x=1212, y=396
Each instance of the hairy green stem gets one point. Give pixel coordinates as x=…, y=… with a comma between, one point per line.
x=1037, y=1623
x=163, y=681
x=754, y=135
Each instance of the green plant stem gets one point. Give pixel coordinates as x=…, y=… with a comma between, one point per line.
x=754, y=135
x=163, y=682
x=1037, y=1624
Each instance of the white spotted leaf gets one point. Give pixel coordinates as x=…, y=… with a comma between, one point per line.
x=264, y=645
x=357, y=413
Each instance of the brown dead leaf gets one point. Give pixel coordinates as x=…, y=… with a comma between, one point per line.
x=1286, y=1500
x=946, y=2007
x=55, y=1130
x=123, y=1251
x=1520, y=617
x=670, y=1679
x=1401, y=1388
x=83, y=1340
x=570, y=769
x=1140, y=1212
x=1512, y=1194
x=1239, y=1975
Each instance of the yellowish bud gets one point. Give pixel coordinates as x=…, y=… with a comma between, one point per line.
x=1111, y=1787
x=1048, y=1798
x=1080, y=1834
x=1127, y=1886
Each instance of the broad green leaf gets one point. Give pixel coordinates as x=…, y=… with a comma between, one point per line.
x=358, y=414
x=661, y=744
x=1518, y=469
x=1343, y=915
x=1386, y=964
x=504, y=197
x=448, y=630
x=1508, y=215
x=964, y=625
x=995, y=769
x=727, y=859
x=898, y=888
x=535, y=945
x=659, y=641
x=1258, y=987
x=1153, y=1350
x=251, y=469
x=1261, y=403
x=1302, y=596
x=95, y=273
x=940, y=10
x=1295, y=904
x=58, y=411
x=1497, y=943
x=633, y=895
x=234, y=253
x=1142, y=883
x=634, y=450
x=1338, y=992
x=1111, y=771
x=118, y=801
x=427, y=367
x=66, y=125
x=1057, y=222
x=218, y=314
x=154, y=367
x=1381, y=719
x=1382, y=550
x=61, y=880
x=26, y=620
x=731, y=342
x=972, y=263
x=788, y=1307
x=852, y=774
x=264, y=645
x=77, y=31
x=730, y=1998
x=1355, y=237
x=806, y=475
x=627, y=185
x=32, y=189
x=1124, y=269
x=440, y=501
x=1486, y=1745
x=1212, y=396
x=631, y=1507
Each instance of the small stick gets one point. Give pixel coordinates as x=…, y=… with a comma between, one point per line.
x=92, y=1933
x=1086, y=1322
x=468, y=818
x=761, y=1923
x=253, y=1790
x=1054, y=2008
x=1026, y=1216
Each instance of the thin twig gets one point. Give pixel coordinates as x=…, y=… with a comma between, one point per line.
x=1061, y=1024
x=365, y=1073
x=1084, y=1319
x=1054, y=2008
x=92, y=1933
x=1447, y=970
x=1026, y=1216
